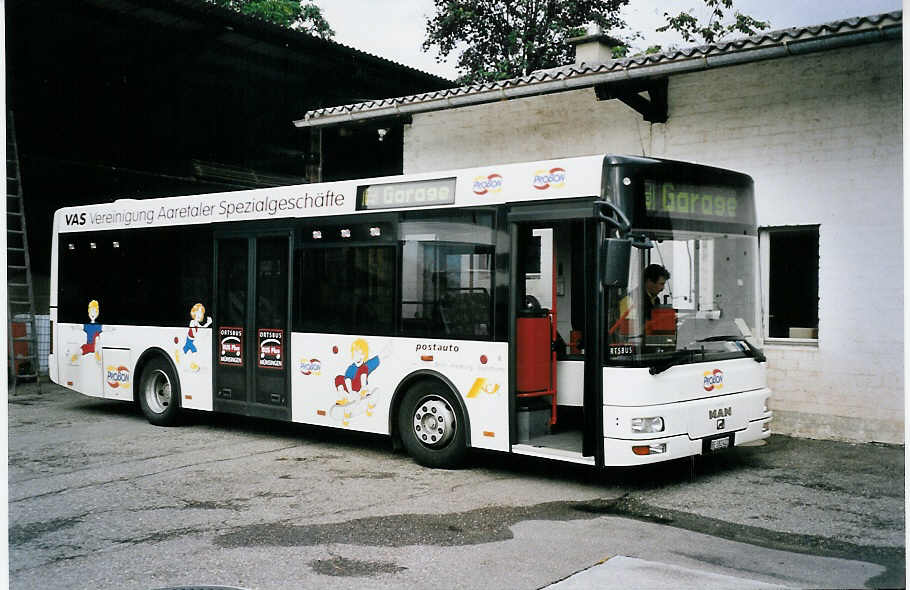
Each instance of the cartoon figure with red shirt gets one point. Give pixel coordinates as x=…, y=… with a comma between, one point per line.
x=92, y=331
x=197, y=314
x=353, y=385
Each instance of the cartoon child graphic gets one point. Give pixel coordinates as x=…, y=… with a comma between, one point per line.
x=197, y=314
x=356, y=377
x=92, y=330
x=355, y=396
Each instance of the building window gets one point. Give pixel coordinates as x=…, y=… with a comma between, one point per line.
x=790, y=279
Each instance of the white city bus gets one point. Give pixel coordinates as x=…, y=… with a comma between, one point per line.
x=502, y=307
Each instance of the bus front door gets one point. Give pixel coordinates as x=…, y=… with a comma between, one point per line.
x=556, y=362
x=251, y=326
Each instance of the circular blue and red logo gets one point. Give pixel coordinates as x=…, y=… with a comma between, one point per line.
x=118, y=376
x=714, y=380
x=552, y=178
x=487, y=184
x=310, y=367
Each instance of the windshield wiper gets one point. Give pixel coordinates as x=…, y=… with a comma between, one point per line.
x=674, y=358
x=679, y=356
x=757, y=353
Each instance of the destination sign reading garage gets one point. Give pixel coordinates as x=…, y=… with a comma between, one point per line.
x=687, y=201
x=438, y=191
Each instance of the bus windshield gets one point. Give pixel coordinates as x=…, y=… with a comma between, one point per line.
x=706, y=308
x=691, y=297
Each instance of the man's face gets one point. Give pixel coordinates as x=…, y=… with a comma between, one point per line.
x=655, y=287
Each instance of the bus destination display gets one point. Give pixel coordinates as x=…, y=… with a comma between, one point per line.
x=686, y=201
x=439, y=191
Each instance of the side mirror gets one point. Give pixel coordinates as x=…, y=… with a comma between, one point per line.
x=642, y=242
x=614, y=258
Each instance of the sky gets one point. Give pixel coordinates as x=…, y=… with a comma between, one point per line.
x=395, y=29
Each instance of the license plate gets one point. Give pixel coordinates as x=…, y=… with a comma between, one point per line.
x=718, y=444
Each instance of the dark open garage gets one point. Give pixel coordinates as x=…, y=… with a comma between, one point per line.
x=112, y=98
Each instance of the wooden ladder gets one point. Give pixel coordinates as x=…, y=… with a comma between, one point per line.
x=21, y=325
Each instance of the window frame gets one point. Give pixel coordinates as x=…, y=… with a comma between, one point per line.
x=185, y=278
x=298, y=325
x=444, y=216
x=765, y=234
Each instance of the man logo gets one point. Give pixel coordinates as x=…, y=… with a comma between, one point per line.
x=721, y=423
x=720, y=413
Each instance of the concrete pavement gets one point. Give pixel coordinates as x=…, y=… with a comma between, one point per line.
x=629, y=572
x=99, y=498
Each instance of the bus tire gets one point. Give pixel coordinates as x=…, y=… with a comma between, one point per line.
x=431, y=426
x=159, y=392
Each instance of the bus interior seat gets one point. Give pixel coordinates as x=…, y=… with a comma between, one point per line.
x=465, y=312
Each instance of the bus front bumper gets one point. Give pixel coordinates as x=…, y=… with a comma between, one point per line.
x=622, y=452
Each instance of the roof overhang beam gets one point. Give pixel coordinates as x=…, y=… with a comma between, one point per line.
x=653, y=109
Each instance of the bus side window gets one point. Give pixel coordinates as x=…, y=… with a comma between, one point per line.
x=447, y=276
x=76, y=274
x=345, y=289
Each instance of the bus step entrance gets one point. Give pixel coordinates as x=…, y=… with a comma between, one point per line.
x=533, y=420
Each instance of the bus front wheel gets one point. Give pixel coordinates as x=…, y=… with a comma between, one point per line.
x=159, y=393
x=431, y=426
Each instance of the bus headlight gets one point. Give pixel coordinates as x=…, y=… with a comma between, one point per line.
x=652, y=424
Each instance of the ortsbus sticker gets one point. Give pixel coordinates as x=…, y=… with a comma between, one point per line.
x=230, y=347
x=271, y=349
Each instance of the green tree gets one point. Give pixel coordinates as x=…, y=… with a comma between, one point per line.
x=500, y=39
x=509, y=38
x=716, y=27
x=293, y=14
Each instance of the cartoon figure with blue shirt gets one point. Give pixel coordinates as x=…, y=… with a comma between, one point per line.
x=92, y=331
x=197, y=314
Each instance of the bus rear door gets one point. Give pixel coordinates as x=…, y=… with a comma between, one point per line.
x=252, y=325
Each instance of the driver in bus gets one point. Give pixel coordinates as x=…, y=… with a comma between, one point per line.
x=656, y=277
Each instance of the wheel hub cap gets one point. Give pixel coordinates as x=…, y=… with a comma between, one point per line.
x=434, y=422
x=158, y=392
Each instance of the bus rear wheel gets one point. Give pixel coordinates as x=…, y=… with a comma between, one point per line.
x=431, y=426
x=159, y=393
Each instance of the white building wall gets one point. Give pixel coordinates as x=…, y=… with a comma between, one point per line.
x=821, y=136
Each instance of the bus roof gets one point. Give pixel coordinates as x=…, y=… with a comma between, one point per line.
x=547, y=179
x=469, y=187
